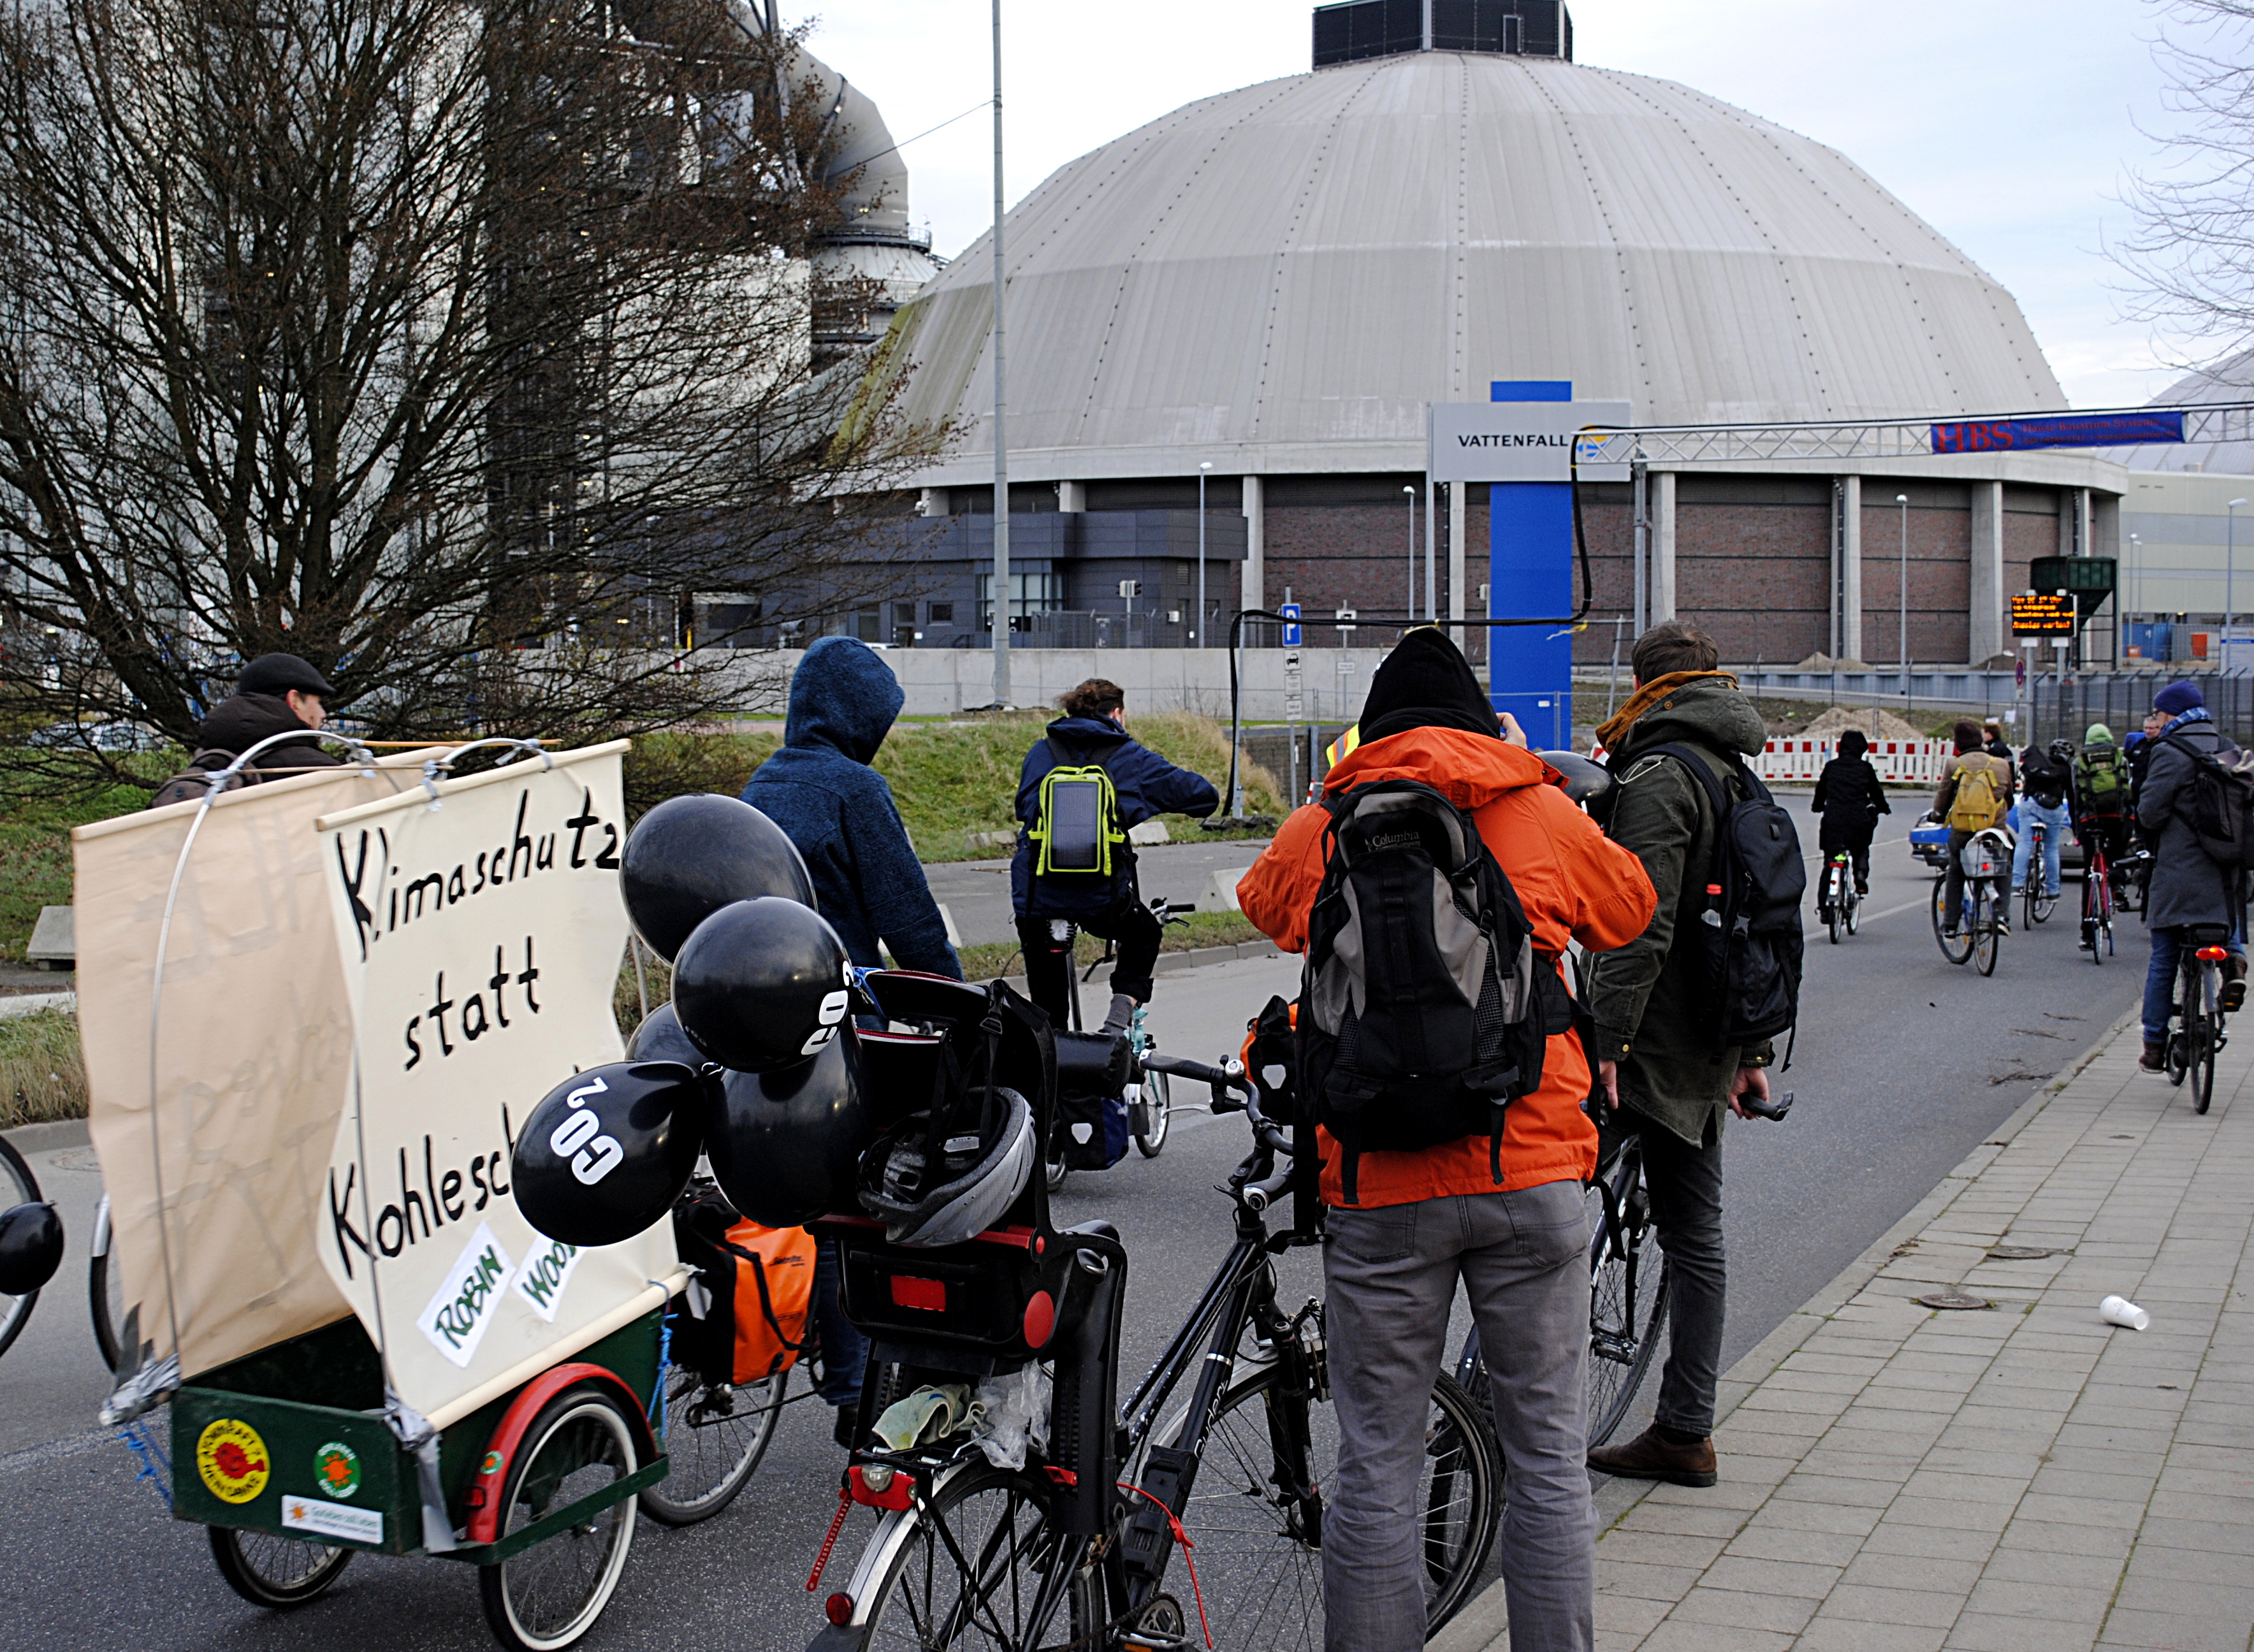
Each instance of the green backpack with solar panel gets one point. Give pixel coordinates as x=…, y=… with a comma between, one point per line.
x=1077, y=826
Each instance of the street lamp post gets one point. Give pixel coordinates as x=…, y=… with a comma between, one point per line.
x=1204, y=470
x=1901, y=651
x=2230, y=567
x=1409, y=607
x=1001, y=429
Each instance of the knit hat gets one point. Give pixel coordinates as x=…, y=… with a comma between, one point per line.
x=1425, y=682
x=2178, y=698
x=277, y=674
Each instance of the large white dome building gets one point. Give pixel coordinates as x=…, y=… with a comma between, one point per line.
x=1267, y=287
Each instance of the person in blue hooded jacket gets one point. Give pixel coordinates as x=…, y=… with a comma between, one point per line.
x=1093, y=730
x=867, y=882
x=839, y=812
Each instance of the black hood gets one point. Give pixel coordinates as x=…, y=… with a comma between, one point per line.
x=1425, y=682
x=242, y=720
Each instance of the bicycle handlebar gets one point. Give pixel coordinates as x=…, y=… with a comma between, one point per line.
x=1222, y=1079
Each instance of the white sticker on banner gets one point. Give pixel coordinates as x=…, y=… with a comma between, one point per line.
x=329, y=1520
x=457, y=1318
x=545, y=1272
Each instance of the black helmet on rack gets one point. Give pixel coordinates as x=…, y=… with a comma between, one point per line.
x=784, y=1142
x=30, y=1248
x=762, y=984
x=948, y=1174
x=691, y=855
x=607, y=1151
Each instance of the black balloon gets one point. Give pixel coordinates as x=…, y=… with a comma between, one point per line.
x=607, y=1151
x=691, y=855
x=30, y=1248
x=659, y=1038
x=785, y=1145
x=762, y=984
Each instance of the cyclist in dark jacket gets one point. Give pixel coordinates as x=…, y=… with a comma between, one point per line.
x=2188, y=891
x=1093, y=729
x=1850, y=799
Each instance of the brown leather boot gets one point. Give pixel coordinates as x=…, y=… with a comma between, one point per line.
x=1649, y=1457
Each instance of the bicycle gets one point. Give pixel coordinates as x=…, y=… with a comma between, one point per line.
x=1628, y=1289
x=968, y=1553
x=1836, y=900
x=2037, y=905
x=2198, y=1034
x=1150, y=1104
x=18, y=1187
x=2098, y=904
x=1986, y=860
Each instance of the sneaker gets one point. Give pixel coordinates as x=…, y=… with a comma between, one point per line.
x=2234, y=982
x=1862, y=888
x=2155, y=1058
x=1948, y=932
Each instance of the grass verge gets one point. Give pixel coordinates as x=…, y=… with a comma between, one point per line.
x=35, y=856
x=1203, y=930
x=42, y=1071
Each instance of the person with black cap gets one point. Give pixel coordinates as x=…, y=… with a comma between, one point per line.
x=1506, y=1218
x=2187, y=890
x=276, y=694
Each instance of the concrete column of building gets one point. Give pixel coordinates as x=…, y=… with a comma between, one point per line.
x=1987, y=630
x=1071, y=496
x=1662, y=546
x=1458, y=508
x=1255, y=592
x=1847, y=536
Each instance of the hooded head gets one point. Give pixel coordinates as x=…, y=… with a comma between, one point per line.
x=843, y=695
x=2178, y=698
x=2097, y=734
x=1425, y=682
x=1851, y=744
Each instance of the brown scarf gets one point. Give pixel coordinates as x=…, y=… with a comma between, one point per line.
x=1614, y=729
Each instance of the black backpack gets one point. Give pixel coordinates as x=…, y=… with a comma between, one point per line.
x=2044, y=778
x=1751, y=939
x=2221, y=811
x=1424, y=1007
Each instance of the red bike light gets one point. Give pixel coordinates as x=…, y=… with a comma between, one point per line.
x=838, y=1609
x=927, y=1296
x=2213, y=955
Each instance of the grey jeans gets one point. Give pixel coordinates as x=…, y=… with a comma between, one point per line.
x=1391, y=1275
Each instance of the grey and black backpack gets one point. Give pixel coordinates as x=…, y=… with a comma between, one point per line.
x=1425, y=1007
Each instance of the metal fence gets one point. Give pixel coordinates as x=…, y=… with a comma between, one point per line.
x=2120, y=700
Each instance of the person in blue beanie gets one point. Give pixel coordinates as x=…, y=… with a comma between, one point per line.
x=2188, y=889
x=867, y=880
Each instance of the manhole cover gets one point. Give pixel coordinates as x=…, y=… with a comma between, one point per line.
x=2019, y=1253
x=1946, y=1299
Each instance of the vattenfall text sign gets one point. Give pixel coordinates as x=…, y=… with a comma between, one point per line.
x=2072, y=429
x=1517, y=441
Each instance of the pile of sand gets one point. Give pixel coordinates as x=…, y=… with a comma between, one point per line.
x=1877, y=725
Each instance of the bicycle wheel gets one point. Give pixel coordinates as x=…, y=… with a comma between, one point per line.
x=1854, y=912
x=2040, y=905
x=2201, y=1073
x=1834, y=919
x=271, y=1570
x=1157, y=1114
x=1956, y=951
x=968, y=1572
x=1628, y=1307
x=1261, y=1571
x=715, y=1435
x=1990, y=919
x=18, y=1187
x=547, y=1596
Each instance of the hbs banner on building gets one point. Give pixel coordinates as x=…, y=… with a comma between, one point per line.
x=481, y=931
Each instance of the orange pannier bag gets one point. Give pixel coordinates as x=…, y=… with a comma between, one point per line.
x=754, y=1288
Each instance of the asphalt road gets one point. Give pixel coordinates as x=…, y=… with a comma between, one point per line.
x=1904, y=1063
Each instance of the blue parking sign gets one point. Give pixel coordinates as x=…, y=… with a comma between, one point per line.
x=1290, y=612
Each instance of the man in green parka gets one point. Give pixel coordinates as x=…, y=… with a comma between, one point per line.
x=1651, y=1001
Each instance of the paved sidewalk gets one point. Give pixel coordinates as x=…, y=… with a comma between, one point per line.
x=1895, y=1478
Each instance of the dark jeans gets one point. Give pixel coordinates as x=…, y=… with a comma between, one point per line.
x=1048, y=965
x=2169, y=946
x=1952, y=895
x=845, y=1350
x=1686, y=1205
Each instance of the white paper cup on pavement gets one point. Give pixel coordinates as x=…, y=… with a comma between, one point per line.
x=2121, y=1310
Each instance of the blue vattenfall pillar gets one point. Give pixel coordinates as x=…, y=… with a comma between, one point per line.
x=1530, y=575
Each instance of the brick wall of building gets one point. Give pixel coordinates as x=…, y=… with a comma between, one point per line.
x=1939, y=538
x=1753, y=563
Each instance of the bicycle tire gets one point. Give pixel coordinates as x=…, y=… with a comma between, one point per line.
x=2040, y=907
x=274, y=1572
x=715, y=1436
x=18, y=1187
x=1262, y=1583
x=1988, y=926
x=1157, y=1101
x=547, y=1597
x=926, y=1601
x=1615, y=1321
x=1854, y=913
x=100, y=1279
x=1960, y=949
x=1832, y=921
x=2202, y=1067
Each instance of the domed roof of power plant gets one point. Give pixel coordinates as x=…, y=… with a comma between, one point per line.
x=1279, y=278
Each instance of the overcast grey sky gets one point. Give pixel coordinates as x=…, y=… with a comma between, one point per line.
x=2011, y=125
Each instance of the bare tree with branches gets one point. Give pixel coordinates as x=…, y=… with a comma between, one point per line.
x=446, y=345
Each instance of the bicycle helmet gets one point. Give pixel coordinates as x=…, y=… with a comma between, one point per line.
x=784, y=1142
x=941, y=1177
x=607, y=1151
x=691, y=855
x=762, y=984
x=30, y=1248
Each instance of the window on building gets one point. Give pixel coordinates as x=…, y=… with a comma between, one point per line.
x=1035, y=587
x=943, y=613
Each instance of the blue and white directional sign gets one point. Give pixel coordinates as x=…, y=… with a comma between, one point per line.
x=1290, y=612
x=2066, y=430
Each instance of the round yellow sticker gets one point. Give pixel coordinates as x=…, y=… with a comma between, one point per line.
x=232, y=1460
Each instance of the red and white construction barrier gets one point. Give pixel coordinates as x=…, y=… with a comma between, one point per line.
x=1898, y=762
